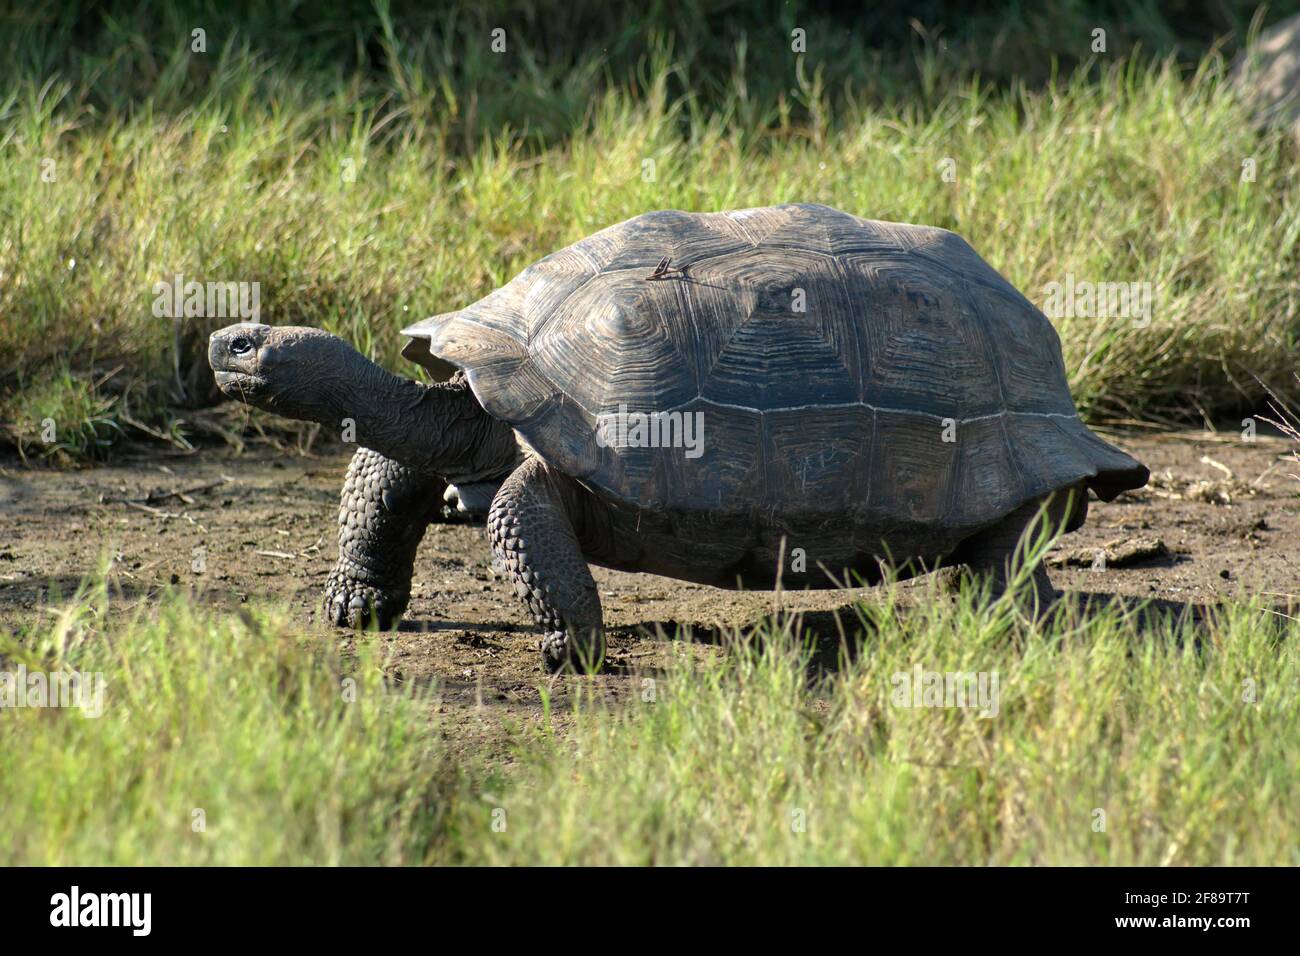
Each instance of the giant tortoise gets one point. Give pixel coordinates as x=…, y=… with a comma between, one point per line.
x=788, y=396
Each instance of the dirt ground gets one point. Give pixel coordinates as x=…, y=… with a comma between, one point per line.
x=1220, y=518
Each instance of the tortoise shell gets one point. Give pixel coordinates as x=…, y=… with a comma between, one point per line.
x=840, y=365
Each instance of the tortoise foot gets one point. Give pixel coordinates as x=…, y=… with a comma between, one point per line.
x=560, y=652
x=353, y=604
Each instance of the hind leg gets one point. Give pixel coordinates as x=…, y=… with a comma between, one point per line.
x=997, y=553
x=989, y=556
x=383, y=513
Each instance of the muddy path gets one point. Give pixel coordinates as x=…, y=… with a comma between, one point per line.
x=1220, y=518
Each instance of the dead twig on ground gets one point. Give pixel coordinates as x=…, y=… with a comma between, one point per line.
x=156, y=496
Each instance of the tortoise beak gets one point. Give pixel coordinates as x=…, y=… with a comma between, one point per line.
x=235, y=356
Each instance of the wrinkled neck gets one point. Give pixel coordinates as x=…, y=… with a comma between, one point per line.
x=440, y=429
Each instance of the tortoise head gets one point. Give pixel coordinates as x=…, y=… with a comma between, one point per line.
x=296, y=372
x=313, y=376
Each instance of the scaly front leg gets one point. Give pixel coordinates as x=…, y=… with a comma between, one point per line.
x=383, y=513
x=531, y=526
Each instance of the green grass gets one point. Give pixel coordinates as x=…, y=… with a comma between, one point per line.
x=232, y=168
x=437, y=61
x=224, y=739
x=1183, y=736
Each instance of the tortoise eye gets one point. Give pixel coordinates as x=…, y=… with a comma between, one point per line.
x=241, y=345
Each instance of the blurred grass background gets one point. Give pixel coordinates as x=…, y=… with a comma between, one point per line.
x=236, y=164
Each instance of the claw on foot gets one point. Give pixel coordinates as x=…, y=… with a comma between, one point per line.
x=561, y=652
x=360, y=606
